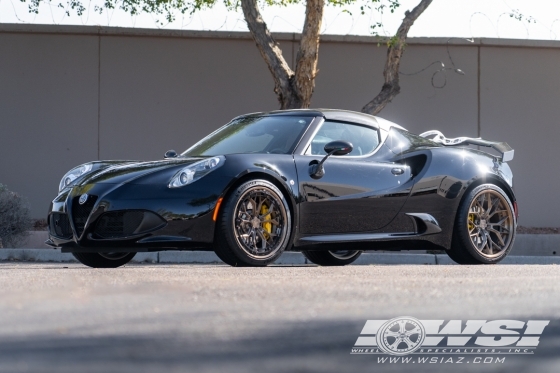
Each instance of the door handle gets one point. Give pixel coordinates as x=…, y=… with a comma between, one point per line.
x=397, y=171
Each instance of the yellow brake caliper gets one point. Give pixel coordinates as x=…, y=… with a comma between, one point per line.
x=266, y=226
x=471, y=222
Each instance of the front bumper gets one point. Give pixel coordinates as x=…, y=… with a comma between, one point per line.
x=118, y=217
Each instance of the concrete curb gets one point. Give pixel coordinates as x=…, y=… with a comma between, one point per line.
x=536, y=244
x=525, y=244
x=193, y=257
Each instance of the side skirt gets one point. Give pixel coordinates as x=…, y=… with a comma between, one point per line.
x=424, y=225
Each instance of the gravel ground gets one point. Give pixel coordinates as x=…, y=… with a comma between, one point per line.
x=214, y=318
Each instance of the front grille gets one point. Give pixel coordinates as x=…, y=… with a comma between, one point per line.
x=119, y=223
x=80, y=213
x=59, y=225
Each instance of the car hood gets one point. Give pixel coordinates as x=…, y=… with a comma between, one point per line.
x=119, y=172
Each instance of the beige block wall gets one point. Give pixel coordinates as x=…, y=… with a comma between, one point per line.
x=48, y=111
x=167, y=93
x=73, y=94
x=520, y=103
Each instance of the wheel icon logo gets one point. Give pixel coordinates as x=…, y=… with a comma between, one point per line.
x=400, y=336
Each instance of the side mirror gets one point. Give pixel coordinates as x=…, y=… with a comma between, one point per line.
x=170, y=154
x=337, y=147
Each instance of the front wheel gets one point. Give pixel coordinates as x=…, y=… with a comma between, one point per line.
x=332, y=257
x=255, y=225
x=104, y=260
x=484, y=228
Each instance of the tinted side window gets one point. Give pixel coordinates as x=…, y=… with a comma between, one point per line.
x=364, y=139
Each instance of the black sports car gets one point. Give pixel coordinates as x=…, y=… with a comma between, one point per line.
x=328, y=183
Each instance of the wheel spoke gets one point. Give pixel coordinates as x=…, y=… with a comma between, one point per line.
x=496, y=212
x=484, y=241
x=271, y=221
x=488, y=199
x=253, y=206
x=499, y=235
x=407, y=341
x=490, y=244
x=396, y=343
x=501, y=221
x=475, y=233
x=263, y=239
x=254, y=240
x=416, y=330
x=260, y=205
x=493, y=205
x=477, y=202
x=271, y=209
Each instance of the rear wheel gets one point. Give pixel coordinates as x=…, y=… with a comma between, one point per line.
x=104, y=260
x=255, y=225
x=332, y=257
x=484, y=228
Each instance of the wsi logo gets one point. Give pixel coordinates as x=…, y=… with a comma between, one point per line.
x=405, y=335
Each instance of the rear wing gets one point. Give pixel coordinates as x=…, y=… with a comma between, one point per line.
x=503, y=148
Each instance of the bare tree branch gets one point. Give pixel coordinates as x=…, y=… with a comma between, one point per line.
x=308, y=53
x=391, y=87
x=271, y=53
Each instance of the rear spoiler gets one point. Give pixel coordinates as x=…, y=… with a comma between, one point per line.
x=503, y=148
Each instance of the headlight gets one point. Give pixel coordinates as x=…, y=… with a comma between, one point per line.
x=195, y=171
x=73, y=174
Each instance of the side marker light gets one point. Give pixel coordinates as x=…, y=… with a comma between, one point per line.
x=217, y=209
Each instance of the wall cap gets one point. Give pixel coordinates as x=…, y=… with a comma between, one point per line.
x=23, y=28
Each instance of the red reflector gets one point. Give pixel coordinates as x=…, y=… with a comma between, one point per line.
x=515, y=210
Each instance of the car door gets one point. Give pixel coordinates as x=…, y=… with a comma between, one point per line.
x=356, y=194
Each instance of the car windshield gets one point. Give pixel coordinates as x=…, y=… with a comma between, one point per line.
x=253, y=134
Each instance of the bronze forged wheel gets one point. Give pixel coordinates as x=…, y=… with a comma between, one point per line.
x=255, y=225
x=485, y=227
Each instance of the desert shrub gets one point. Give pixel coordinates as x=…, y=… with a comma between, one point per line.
x=15, y=219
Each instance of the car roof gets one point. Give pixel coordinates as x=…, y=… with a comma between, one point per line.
x=334, y=114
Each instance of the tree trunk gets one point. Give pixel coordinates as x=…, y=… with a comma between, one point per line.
x=391, y=87
x=308, y=53
x=281, y=73
x=294, y=89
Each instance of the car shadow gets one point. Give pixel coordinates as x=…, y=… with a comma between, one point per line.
x=316, y=346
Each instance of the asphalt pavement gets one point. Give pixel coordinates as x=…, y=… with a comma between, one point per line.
x=65, y=317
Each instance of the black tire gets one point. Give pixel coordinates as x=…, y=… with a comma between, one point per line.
x=255, y=225
x=104, y=260
x=332, y=258
x=485, y=227
x=227, y=259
